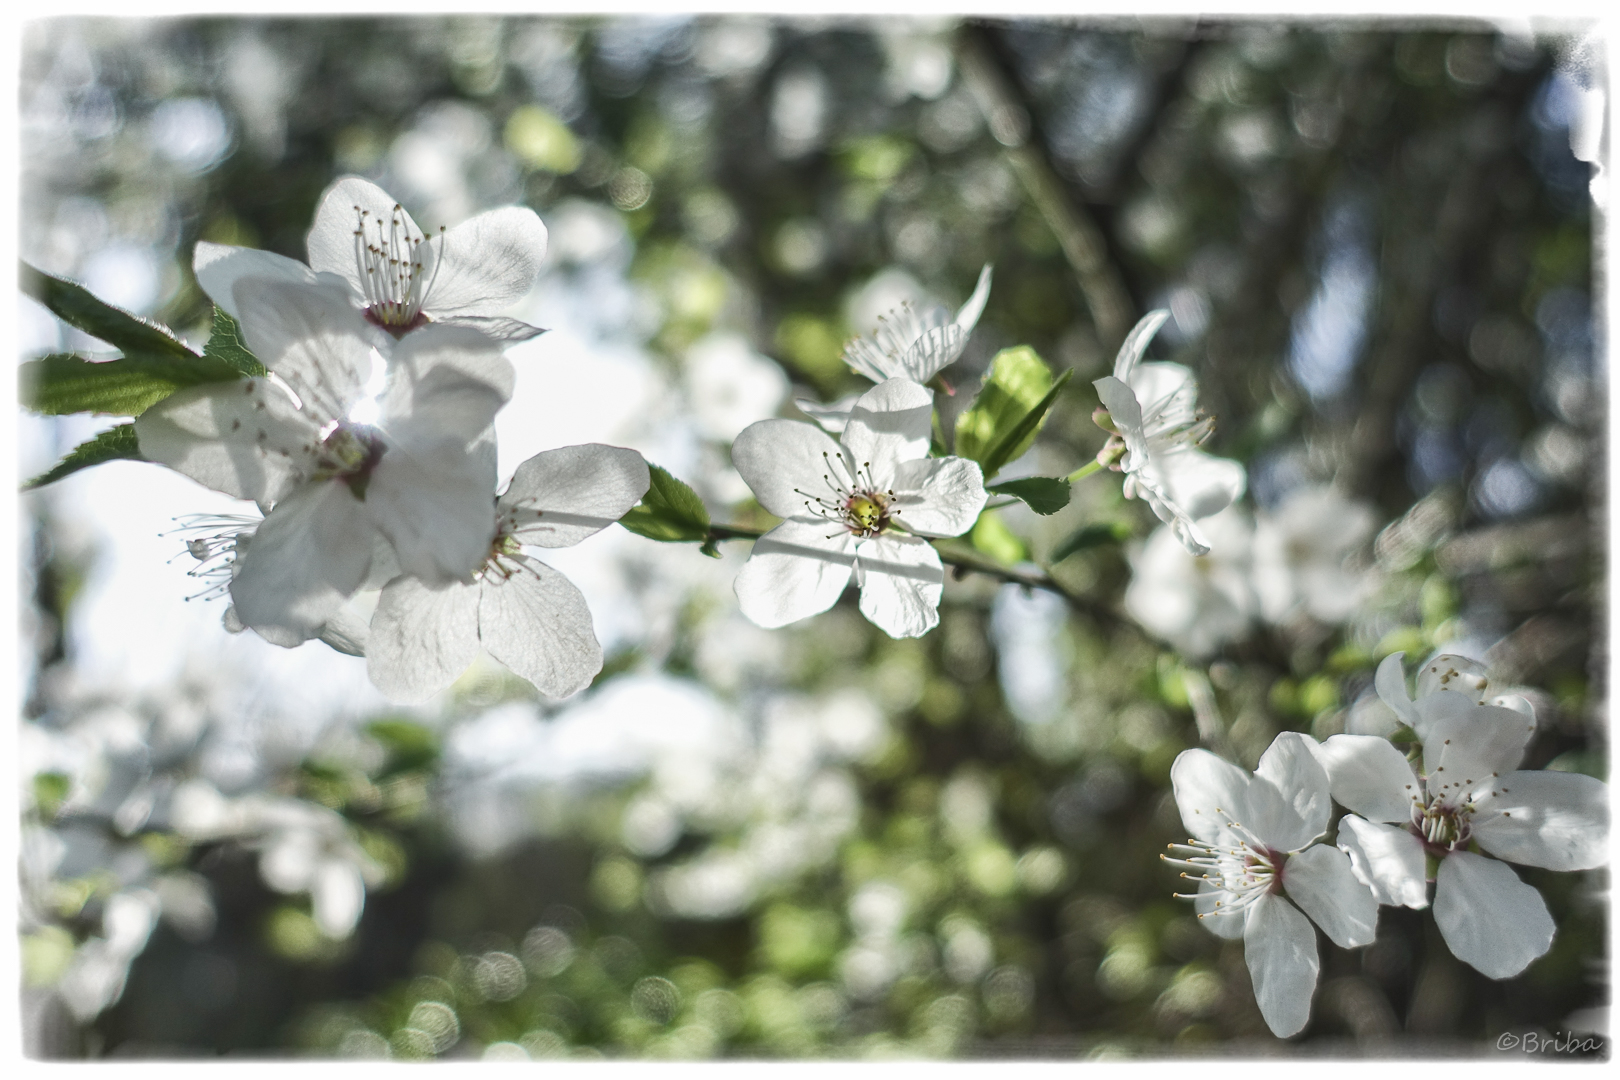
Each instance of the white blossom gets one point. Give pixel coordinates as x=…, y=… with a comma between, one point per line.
x=1469, y=797
x=1447, y=671
x=1254, y=855
x=1152, y=407
x=730, y=385
x=905, y=346
x=861, y=508
x=1197, y=603
x=347, y=500
x=303, y=847
x=908, y=346
x=366, y=245
x=525, y=614
x=1304, y=552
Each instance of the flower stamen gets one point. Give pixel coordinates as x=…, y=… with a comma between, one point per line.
x=391, y=271
x=857, y=503
x=1234, y=872
x=217, y=541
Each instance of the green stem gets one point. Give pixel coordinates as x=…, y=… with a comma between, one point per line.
x=1083, y=471
x=732, y=532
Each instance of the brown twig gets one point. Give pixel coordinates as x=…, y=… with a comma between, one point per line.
x=1112, y=311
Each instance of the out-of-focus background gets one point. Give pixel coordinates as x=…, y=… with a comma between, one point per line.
x=1376, y=245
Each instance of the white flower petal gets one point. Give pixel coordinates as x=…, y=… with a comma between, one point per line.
x=833, y=417
x=1516, y=702
x=936, y=349
x=560, y=497
x=901, y=581
x=1280, y=948
x=1146, y=485
x=1290, y=767
x=244, y=438
x=1489, y=918
x=422, y=639
x=445, y=385
x=1209, y=793
x=967, y=316
x=337, y=897
x=220, y=266
x=536, y=623
x=1448, y=671
x=1201, y=485
x=1555, y=820
x=1370, y=777
x=1217, y=920
x=1320, y=880
x=275, y=635
x=1390, y=681
x=785, y=463
x=1467, y=744
x=796, y=570
x=331, y=239
x=1136, y=343
x=384, y=564
x=496, y=328
x=346, y=631
x=310, y=554
x=867, y=358
x=1168, y=394
x=313, y=339
x=890, y=423
x=485, y=263
x=938, y=496
x=1389, y=860
x=1126, y=413
x=437, y=509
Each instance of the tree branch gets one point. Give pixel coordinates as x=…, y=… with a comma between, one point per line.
x=1112, y=310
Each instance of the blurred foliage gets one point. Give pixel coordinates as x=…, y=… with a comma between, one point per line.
x=995, y=889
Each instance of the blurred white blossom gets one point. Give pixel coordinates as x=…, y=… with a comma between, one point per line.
x=1304, y=555
x=1197, y=603
x=730, y=385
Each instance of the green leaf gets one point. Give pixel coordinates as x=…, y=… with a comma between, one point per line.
x=50, y=792
x=111, y=445
x=1043, y=494
x=410, y=745
x=77, y=306
x=991, y=536
x=1004, y=419
x=1015, y=442
x=63, y=383
x=1094, y=535
x=225, y=343
x=670, y=511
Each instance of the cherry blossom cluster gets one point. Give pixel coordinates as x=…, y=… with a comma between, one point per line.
x=1451, y=814
x=369, y=447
